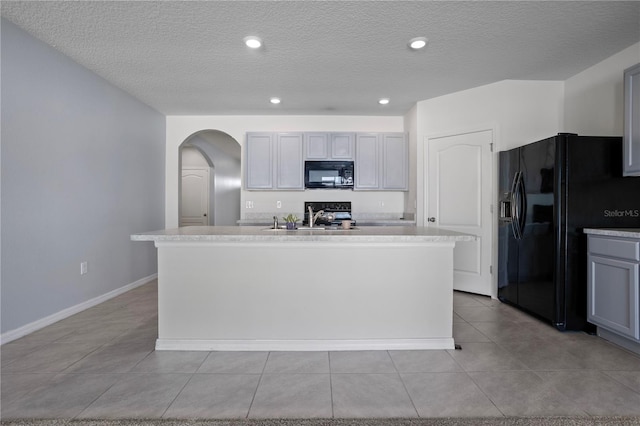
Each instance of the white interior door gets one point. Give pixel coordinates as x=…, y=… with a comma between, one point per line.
x=194, y=209
x=459, y=198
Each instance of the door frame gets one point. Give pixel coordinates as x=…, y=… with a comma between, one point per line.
x=424, y=156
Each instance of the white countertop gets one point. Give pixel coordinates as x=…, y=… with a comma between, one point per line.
x=614, y=232
x=360, y=234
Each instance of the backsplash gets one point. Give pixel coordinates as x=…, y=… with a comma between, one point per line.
x=267, y=217
x=261, y=204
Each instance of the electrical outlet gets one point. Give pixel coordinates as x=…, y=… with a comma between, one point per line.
x=83, y=268
x=278, y=204
x=381, y=203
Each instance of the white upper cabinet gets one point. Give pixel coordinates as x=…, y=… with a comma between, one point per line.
x=632, y=121
x=259, y=160
x=274, y=161
x=341, y=146
x=367, y=162
x=395, y=162
x=289, y=167
x=382, y=162
x=328, y=146
x=316, y=146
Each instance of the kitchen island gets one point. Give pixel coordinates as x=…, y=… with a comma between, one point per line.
x=254, y=288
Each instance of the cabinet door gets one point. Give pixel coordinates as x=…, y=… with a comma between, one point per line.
x=632, y=121
x=612, y=295
x=316, y=146
x=367, y=162
x=341, y=146
x=259, y=161
x=289, y=168
x=395, y=162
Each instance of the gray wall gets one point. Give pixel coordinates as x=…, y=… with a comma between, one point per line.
x=82, y=169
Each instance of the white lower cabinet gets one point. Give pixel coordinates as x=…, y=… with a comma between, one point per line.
x=613, y=295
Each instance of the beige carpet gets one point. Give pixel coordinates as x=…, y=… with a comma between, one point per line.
x=509, y=421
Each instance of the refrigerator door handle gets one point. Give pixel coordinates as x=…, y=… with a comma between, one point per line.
x=522, y=206
x=515, y=221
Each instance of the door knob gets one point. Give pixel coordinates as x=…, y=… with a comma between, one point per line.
x=205, y=215
x=432, y=219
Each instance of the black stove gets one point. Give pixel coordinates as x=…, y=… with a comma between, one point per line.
x=341, y=210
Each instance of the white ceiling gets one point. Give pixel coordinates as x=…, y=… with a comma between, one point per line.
x=324, y=57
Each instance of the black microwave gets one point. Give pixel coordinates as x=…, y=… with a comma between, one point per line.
x=328, y=174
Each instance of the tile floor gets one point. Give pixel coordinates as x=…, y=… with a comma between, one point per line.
x=101, y=363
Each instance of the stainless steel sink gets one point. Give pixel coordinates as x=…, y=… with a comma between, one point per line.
x=339, y=228
x=300, y=228
x=315, y=228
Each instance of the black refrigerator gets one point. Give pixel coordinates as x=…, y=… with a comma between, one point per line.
x=549, y=192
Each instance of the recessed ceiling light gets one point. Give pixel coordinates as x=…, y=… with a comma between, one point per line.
x=253, y=42
x=274, y=101
x=418, y=43
x=383, y=101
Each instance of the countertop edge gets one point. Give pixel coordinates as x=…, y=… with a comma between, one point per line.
x=302, y=238
x=614, y=232
x=259, y=234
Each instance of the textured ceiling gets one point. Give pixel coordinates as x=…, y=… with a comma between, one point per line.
x=323, y=57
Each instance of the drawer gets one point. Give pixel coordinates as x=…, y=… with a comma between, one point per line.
x=622, y=248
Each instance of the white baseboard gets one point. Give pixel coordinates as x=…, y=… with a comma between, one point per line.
x=65, y=313
x=626, y=342
x=303, y=345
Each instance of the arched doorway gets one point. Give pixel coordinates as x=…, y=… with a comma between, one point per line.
x=218, y=154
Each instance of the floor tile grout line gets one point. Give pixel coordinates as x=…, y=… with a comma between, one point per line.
x=618, y=381
x=555, y=389
x=98, y=397
x=255, y=392
x=485, y=394
x=333, y=414
x=141, y=360
x=177, y=395
x=404, y=385
x=202, y=363
x=40, y=386
x=453, y=359
x=480, y=331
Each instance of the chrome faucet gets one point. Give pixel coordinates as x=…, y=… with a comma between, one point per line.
x=312, y=217
x=275, y=222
